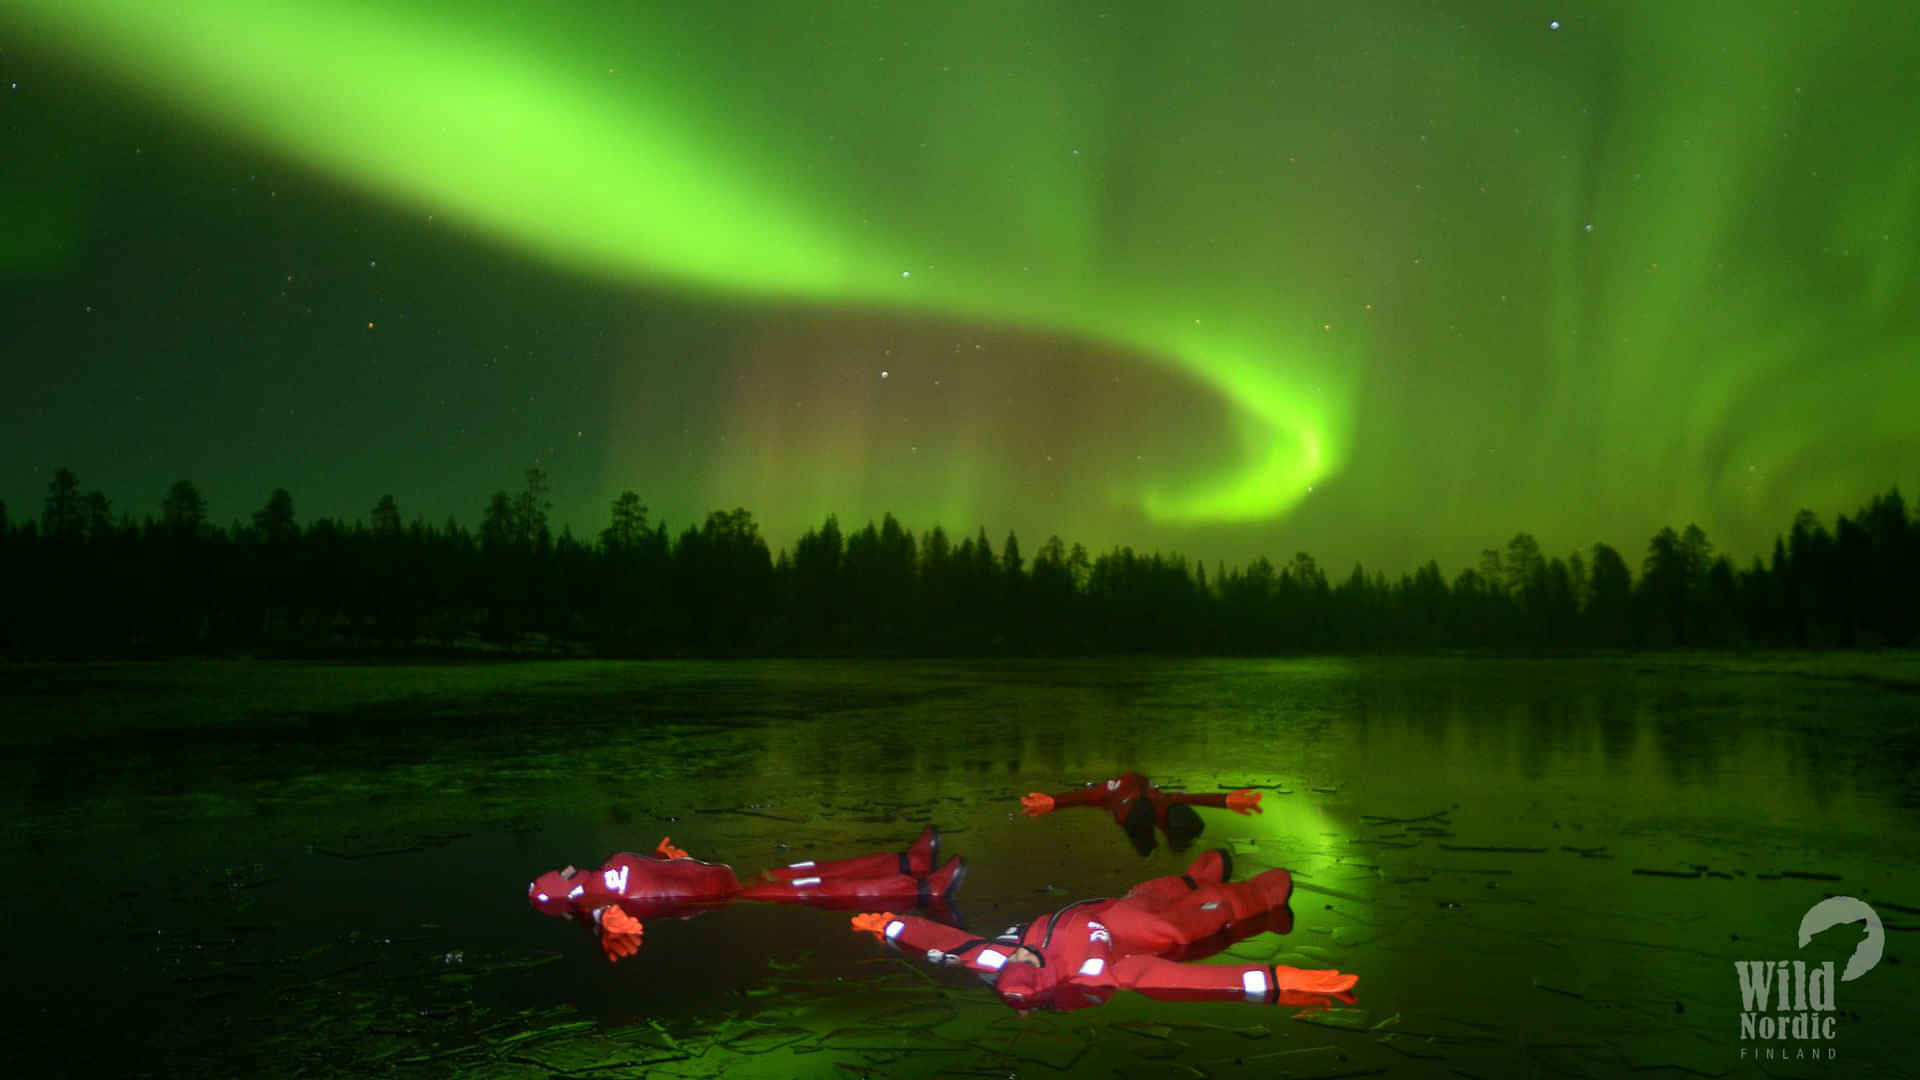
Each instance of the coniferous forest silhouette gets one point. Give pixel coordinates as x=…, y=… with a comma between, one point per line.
x=81, y=582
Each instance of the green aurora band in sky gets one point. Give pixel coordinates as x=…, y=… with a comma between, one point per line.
x=524, y=133
x=1641, y=266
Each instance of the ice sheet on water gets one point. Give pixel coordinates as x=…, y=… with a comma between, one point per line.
x=754, y=1038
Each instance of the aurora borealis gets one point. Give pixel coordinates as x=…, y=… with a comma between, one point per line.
x=1380, y=282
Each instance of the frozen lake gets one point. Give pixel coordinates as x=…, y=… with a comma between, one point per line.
x=1534, y=866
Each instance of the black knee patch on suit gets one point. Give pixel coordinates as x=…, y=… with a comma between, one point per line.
x=1183, y=826
x=1140, y=827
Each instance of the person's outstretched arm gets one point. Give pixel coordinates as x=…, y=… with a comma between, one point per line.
x=1241, y=801
x=1036, y=803
x=1167, y=980
x=938, y=942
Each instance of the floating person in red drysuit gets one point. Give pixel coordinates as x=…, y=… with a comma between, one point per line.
x=1079, y=955
x=673, y=884
x=1139, y=807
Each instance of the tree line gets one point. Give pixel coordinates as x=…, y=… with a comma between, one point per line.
x=81, y=581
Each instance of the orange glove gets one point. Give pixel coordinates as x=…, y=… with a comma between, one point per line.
x=1244, y=801
x=619, y=934
x=1324, y=981
x=873, y=922
x=1035, y=804
x=666, y=850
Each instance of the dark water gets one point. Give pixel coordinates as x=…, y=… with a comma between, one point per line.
x=1536, y=867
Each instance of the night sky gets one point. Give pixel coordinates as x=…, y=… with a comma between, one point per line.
x=1381, y=281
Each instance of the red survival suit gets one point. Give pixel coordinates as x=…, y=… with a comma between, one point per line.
x=1139, y=806
x=1079, y=955
x=672, y=884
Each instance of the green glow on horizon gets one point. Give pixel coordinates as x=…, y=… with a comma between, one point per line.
x=511, y=126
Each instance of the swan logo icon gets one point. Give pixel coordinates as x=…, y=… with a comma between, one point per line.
x=1788, y=1002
